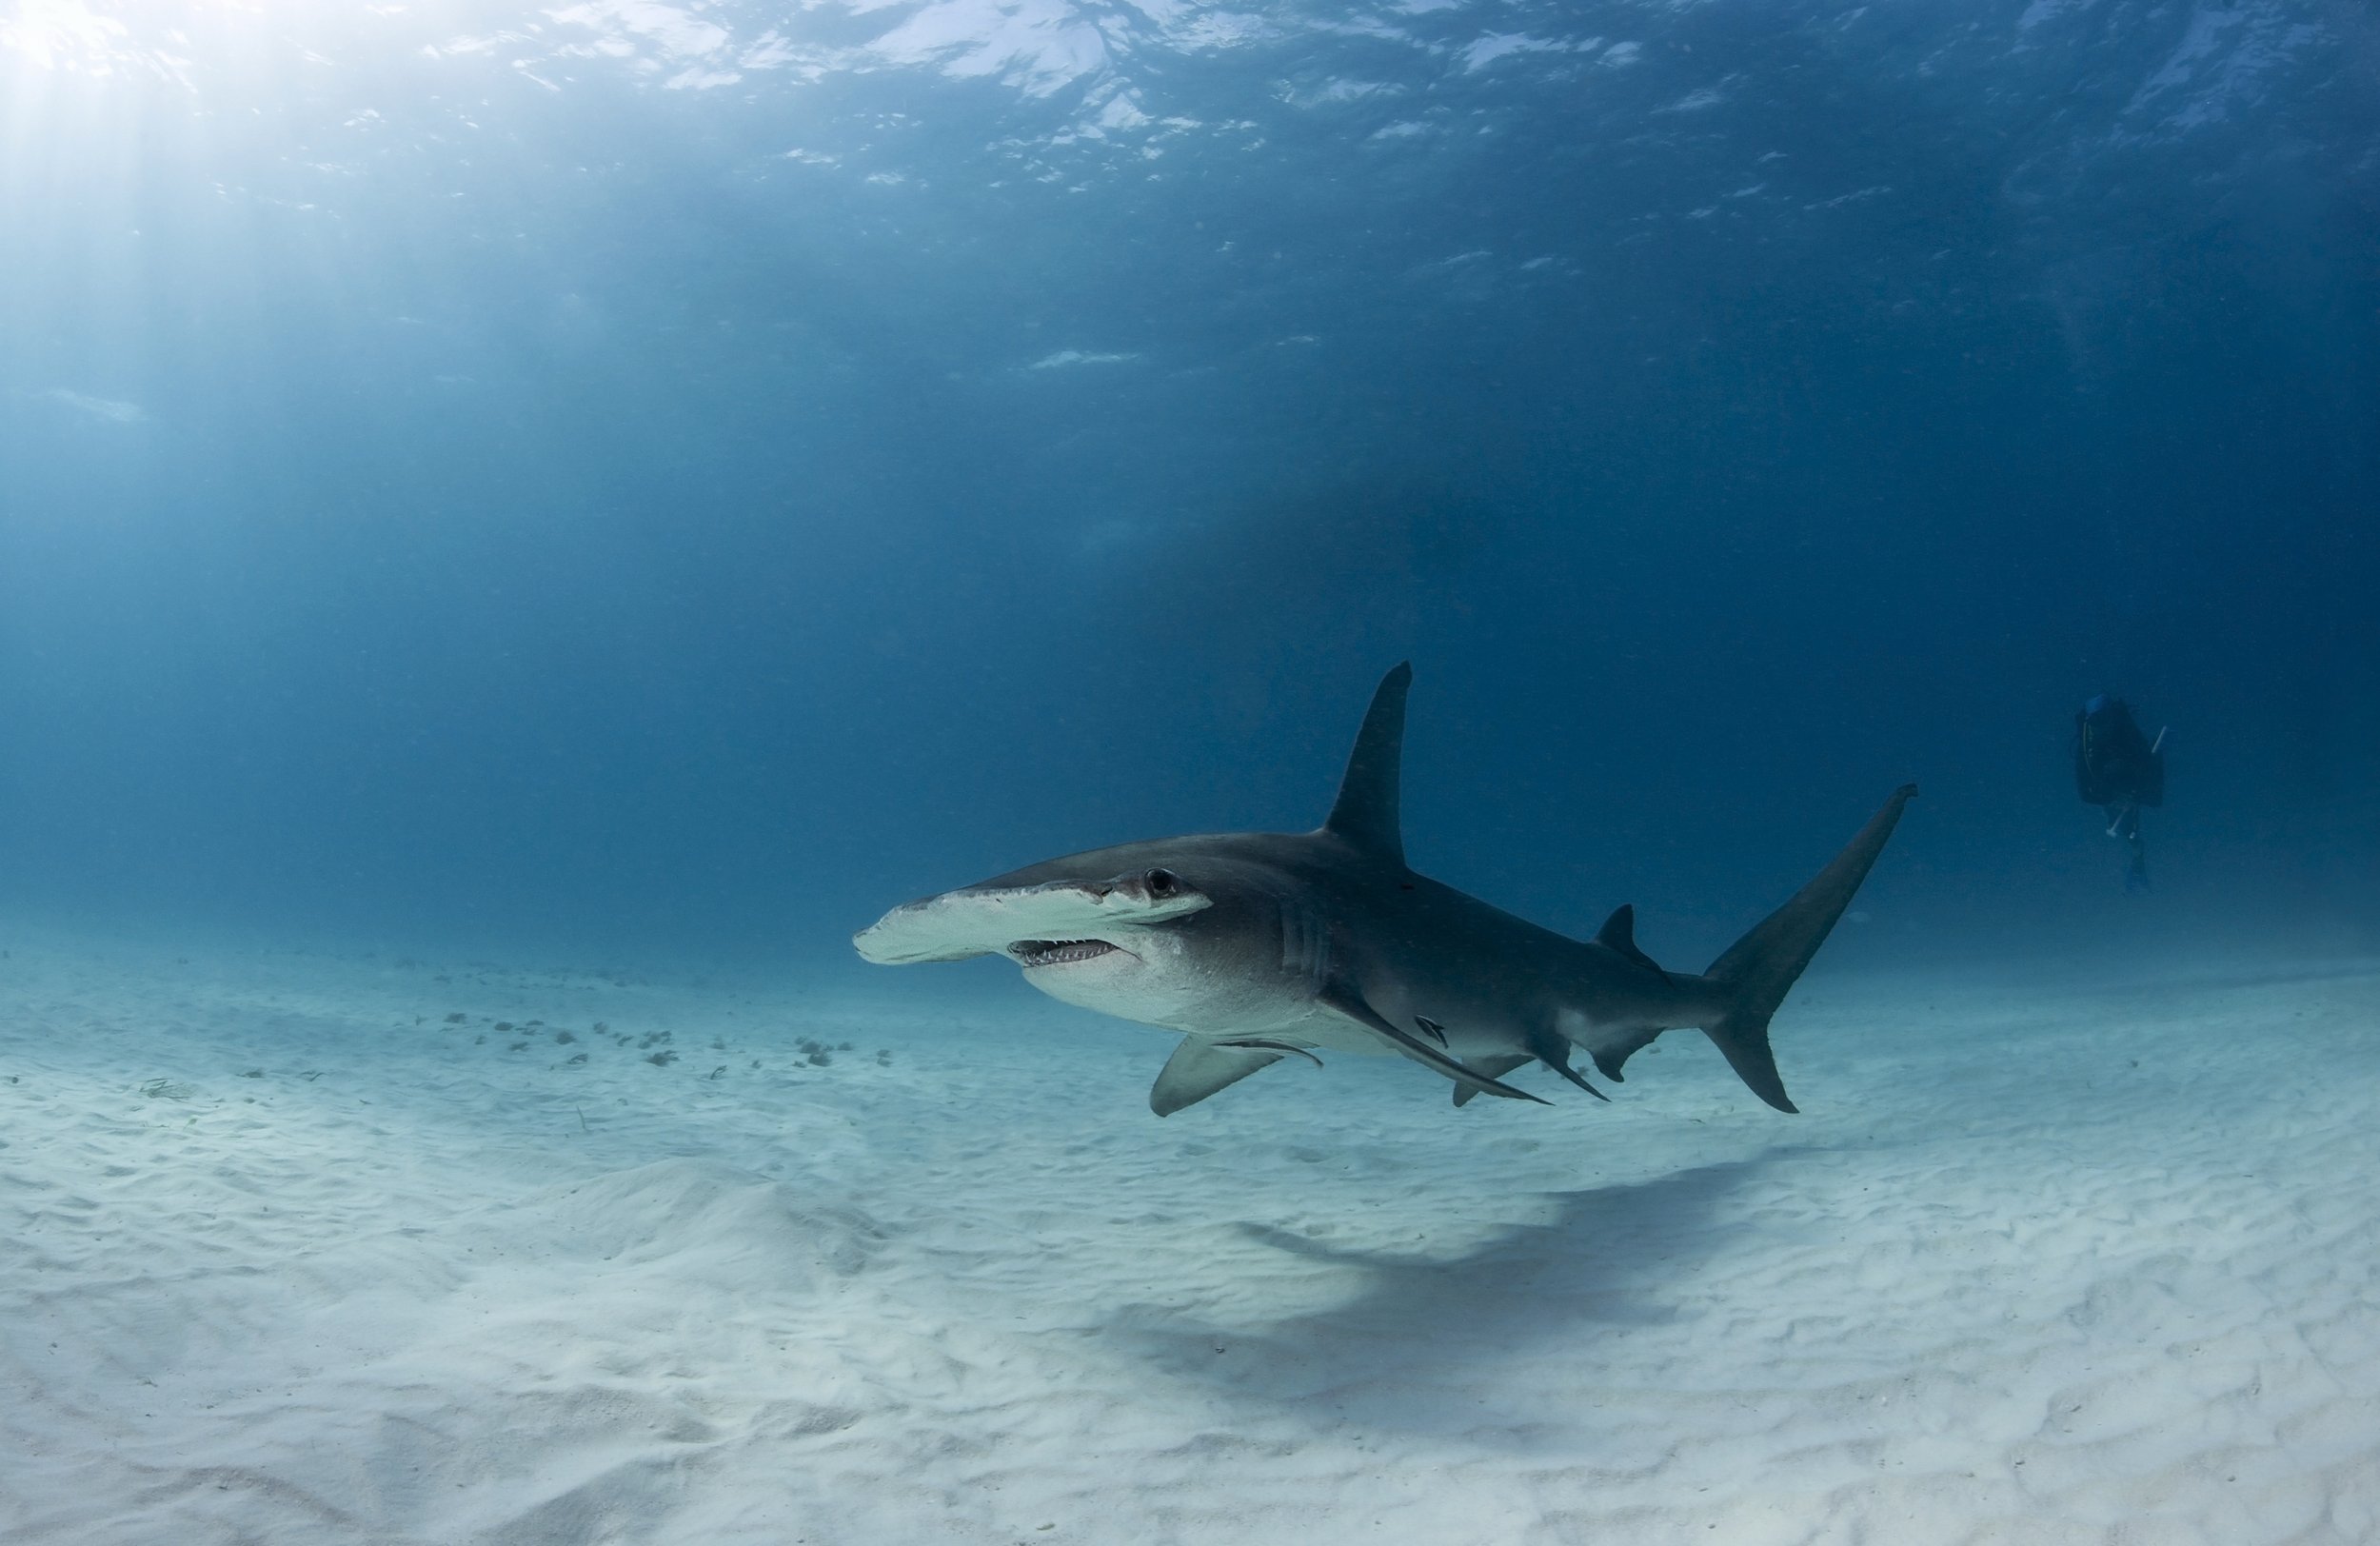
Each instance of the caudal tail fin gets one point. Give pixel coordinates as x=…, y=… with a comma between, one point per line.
x=1759, y=969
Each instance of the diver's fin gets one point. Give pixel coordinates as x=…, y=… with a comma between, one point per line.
x=1350, y=1002
x=1757, y=970
x=1366, y=813
x=1619, y=933
x=1198, y=1069
x=1493, y=1068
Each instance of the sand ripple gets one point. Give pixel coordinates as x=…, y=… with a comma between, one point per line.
x=291, y=1257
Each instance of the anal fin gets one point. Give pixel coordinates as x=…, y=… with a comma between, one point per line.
x=1553, y=1049
x=1493, y=1068
x=1609, y=1058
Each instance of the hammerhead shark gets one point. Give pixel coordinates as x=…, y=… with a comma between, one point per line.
x=1262, y=945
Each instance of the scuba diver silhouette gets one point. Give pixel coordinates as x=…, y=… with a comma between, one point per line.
x=2121, y=771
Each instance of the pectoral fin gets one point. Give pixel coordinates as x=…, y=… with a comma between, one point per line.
x=1198, y=1069
x=1350, y=1002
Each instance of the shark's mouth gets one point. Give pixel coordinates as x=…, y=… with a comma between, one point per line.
x=1032, y=953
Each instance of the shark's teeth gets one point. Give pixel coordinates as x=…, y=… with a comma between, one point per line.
x=1056, y=952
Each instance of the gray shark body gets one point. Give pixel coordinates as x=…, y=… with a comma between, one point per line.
x=1261, y=945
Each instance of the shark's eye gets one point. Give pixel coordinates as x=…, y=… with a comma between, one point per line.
x=1163, y=882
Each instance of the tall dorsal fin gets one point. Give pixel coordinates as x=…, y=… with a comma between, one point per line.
x=1368, y=796
x=1619, y=933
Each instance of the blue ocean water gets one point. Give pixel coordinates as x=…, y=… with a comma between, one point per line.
x=522, y=527
x=674, y=479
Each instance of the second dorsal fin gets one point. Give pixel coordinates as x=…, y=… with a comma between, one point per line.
x=1366, y=813
x=1619, y=933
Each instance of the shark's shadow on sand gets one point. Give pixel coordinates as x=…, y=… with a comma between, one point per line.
x=1392, y=1353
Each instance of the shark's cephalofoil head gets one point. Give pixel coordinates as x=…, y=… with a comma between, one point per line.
x=1054, y=927
x=1187, y=933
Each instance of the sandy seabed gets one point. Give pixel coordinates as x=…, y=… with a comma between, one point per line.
x=288, y=1255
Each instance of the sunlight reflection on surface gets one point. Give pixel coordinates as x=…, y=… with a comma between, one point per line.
x=63, y=34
